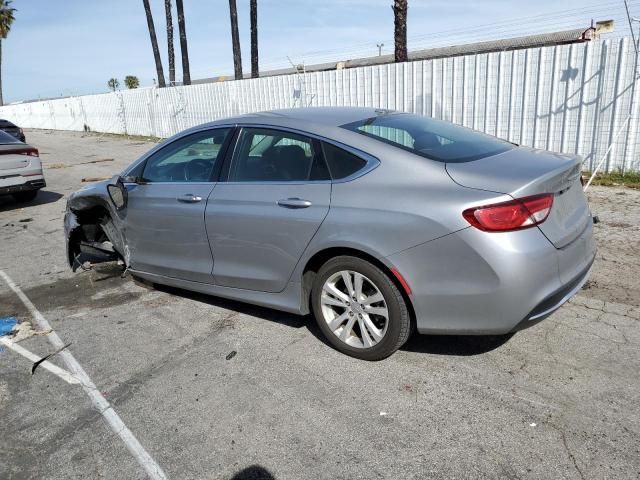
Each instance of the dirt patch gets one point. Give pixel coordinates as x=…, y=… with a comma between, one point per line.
x=615, y=272
x=95, y=289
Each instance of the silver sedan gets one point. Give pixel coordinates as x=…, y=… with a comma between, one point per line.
x=378, y=222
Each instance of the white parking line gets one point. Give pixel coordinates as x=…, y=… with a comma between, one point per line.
x=99, y=402
x=47, y=365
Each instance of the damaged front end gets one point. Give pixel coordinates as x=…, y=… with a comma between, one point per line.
x=92, y=232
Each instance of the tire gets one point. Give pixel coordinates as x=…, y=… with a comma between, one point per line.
x=390, y=330
x=25, y=196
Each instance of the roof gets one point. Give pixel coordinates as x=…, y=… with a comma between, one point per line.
x=330, y=116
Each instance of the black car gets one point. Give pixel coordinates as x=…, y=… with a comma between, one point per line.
x=12, y=130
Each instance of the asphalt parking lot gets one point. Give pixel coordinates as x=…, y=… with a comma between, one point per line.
x=560, y=400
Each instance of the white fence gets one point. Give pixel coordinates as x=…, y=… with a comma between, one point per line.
x=569, y=98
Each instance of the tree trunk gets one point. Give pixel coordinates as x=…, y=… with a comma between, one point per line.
x=400, y=22
x=154, y=44
x=170, y=52
x=235, y=39
x=253, y=5
x=186, y=74
x=1, y=99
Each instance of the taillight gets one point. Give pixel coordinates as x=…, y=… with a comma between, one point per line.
x=30, y=151
x=517, y=214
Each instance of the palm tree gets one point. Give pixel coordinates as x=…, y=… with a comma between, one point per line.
x=186, y=74
x=235, y=40
x=171, y=55
x=253, y=7
x=113, y=84
x=400, y=22
x=131, y=81
x=6, y=19
x=154, y=44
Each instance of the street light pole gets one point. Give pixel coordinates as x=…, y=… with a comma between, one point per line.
x=380, y=45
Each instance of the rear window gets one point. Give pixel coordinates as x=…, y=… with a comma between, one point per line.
x=430, y=138
x=6, y=138
x=6, y=124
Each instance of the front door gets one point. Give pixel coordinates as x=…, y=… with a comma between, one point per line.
x=262, y=218
x=164, y=217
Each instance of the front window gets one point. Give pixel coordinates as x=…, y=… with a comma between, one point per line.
x=193, y=158
x=430, y=138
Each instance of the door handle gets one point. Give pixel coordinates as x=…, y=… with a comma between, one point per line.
x=189, y=198
x=294, y=203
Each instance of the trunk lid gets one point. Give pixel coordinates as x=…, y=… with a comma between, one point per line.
x=13, y=161
x=521, y=172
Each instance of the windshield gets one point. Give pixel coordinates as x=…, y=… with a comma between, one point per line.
x=430, y=138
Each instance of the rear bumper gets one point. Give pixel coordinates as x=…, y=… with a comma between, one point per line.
x=35, y=184
x=477, y=283
x=556, y=300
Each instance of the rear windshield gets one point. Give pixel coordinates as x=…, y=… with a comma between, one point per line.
x=5, y=138
x=430, y=138
x=6, y=124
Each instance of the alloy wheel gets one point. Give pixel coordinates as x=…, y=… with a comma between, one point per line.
x=354, y=308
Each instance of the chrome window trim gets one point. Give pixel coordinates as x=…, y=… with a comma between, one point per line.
x=371, y=162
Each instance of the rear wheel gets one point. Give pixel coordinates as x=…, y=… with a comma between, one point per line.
x=25, y=196
x=359, y=309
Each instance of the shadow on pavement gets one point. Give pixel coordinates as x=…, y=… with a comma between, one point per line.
x=254, y=472
x=283, y=318
x=44, y=196
x=453, y=345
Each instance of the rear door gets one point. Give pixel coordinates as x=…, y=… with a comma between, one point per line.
x=164, y=218
x=262, y=218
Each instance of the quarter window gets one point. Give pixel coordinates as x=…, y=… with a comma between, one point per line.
x=341, y=163
x=193, y=158
x=264, y=155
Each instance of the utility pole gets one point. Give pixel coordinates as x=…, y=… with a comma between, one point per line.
x=235, y=40
x=380, y=45
x=253, y=13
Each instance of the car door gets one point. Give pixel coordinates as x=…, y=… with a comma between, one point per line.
x=260, y=220
x=164, y=217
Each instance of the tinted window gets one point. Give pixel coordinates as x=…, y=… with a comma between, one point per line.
x=189, y=159
x=6, y=124
x=430, y=138
x=6, y=138
x=264, y=155
x=341, y=163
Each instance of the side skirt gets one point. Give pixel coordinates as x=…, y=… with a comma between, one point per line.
x=288, y=300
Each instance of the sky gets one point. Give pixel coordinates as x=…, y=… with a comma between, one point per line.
x=76, y=46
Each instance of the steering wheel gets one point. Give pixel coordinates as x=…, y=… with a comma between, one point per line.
x=197, y=169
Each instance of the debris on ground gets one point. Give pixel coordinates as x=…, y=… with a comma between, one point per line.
x=231, y=354
x=94, y=179
x=25, y=220
x=46, y=357
x=25, y=330
x=7, y=324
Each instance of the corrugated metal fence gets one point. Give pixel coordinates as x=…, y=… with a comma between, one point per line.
x=569, y=98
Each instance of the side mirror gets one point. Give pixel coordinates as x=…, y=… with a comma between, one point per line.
x=118, y=194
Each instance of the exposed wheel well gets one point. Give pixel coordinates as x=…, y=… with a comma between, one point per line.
x=320, y=258
x=86, y=237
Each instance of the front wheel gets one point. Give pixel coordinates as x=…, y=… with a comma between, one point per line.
x=359, y=309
